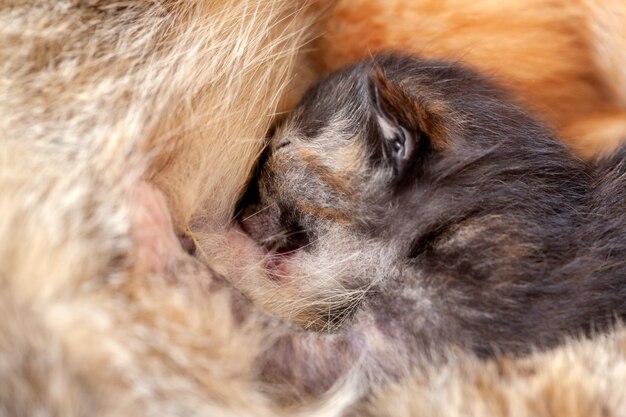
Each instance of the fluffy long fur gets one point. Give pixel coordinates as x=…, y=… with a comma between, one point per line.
x=95, y=95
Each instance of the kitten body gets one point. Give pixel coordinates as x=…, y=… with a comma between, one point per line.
x=442, y=211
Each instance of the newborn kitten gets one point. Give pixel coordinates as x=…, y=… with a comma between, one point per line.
x=456, y=218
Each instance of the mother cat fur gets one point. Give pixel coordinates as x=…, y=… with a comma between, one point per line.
x=455, y=218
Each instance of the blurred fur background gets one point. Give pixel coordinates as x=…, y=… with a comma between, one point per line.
x=97, y=95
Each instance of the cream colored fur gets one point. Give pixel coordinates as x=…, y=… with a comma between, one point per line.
x=582, y=379
x=94, y=96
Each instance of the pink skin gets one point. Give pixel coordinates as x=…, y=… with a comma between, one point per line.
x=244, y=248
x=277, y=267
x=241, y=244
x=153, y=231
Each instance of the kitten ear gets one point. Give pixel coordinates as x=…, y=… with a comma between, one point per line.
x=390, y=103
x=396, y=133
x=399, y=114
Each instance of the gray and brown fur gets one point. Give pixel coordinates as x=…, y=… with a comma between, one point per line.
x=482, y=232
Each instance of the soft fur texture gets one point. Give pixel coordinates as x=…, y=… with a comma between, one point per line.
x=95, y=95
x=582, y=379
x=419, y=186
x=443, y=212
x=563, y=58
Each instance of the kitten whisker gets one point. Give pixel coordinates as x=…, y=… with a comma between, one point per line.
x=257, y=212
